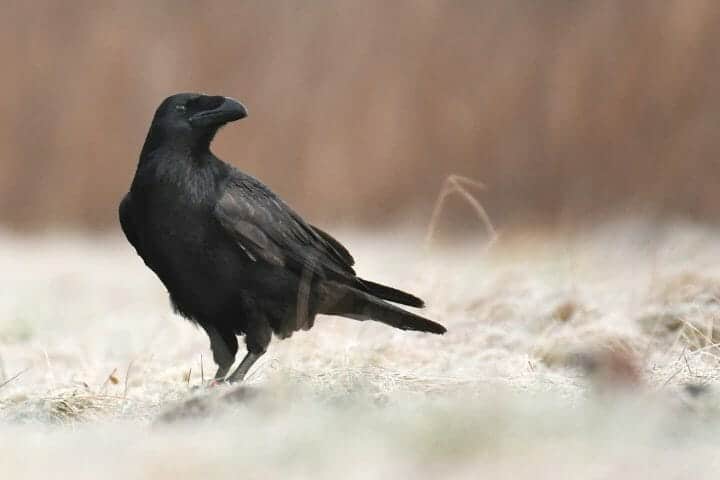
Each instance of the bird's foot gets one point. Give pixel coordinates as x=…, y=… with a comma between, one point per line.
x=216, y=383
x=213, y=384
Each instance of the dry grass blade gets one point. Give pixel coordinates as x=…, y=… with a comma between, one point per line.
x=111, y=378
x=49, y=368
x=127, y=377
x=467, y=182
x=457, y=184
x=671, y=377
x=14, y=377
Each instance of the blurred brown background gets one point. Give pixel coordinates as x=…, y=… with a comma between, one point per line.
x=566, y=109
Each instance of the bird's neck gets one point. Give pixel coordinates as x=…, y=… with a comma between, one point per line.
x=166, y=159
x=194, y=148
x=194, y=174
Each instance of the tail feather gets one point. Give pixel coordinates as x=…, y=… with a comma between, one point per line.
x=399, y=318
x=360, y=305
x=392, y=294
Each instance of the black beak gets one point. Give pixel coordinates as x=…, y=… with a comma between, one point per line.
x=228, y=111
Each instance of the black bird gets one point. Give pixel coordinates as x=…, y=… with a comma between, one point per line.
x=235, y=258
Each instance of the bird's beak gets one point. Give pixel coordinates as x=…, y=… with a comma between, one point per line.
x=228, y=111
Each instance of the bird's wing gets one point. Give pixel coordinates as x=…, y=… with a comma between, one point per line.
x=339, y=248
x=126, y=221
x=269, y=230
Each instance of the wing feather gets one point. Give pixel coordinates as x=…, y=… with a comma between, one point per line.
x=268, y=229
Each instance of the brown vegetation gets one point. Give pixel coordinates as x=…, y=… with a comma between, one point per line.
x=359, y=110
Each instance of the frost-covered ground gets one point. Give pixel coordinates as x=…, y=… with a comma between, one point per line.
x=585, y=354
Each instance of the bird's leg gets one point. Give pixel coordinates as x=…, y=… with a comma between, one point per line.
x=257, y=339
x=224, y=346
x=239, y=374
x=220, y=374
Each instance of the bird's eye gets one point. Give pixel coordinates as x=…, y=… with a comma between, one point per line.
x=180, y=108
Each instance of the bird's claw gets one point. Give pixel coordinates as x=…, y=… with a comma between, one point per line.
x=216, y=382
x=211, y=384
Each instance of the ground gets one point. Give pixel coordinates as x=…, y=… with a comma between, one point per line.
x=571, y=353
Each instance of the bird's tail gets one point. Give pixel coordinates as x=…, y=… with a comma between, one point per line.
x=399, y=318
x=391, y=294
x=364, y=306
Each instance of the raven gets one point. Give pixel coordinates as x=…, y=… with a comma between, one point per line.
x=236, y=259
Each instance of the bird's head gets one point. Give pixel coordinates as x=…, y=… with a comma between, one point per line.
x=193, y=118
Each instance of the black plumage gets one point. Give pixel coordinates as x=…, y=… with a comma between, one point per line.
x=233, y=256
